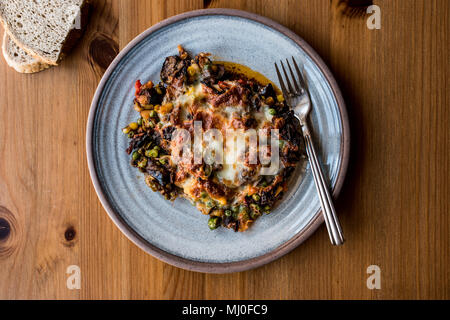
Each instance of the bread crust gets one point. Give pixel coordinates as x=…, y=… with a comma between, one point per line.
x=32, y=67
x=71, y=38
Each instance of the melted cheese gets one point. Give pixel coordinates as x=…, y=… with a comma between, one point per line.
x=263, y=115
x=235, y=147
x=188, y=97
x=235, y=142
x=188, y=186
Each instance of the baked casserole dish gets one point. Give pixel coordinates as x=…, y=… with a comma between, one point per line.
x=196, y=101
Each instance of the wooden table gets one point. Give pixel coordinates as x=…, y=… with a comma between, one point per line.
x=395, y=202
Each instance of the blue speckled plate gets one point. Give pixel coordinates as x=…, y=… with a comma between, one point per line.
x=176, y=232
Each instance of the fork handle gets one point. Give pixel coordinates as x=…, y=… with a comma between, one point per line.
x=329, y=213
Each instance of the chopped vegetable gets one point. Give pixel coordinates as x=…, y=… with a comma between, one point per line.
x=256, y=197
x=213, y=223
x=133, y=126
x=126, y=130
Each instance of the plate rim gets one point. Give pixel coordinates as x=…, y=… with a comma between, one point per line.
x=216, y=267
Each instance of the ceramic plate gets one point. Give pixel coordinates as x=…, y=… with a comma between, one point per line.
x=176, y=232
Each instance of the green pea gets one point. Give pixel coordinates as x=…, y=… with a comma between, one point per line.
x=143, y=163
x=131, y=135
x=256, y=197
x=267, y=209
x=272, y=111
x=153, y=114
x=255, y=211
x=228, y=213
x=135, y=155
x=153, y=153
x=203, y=194
x=162, y=161
x=213, y=223
x=139, y=122
x=235, y=209
x=209, y=204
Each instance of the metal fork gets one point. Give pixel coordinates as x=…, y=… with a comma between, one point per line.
x=297, y=96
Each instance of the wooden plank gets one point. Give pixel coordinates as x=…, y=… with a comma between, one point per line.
x=394, y=205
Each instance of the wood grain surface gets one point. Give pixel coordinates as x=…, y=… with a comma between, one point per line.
x=394, y=207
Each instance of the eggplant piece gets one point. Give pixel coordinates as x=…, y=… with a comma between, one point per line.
x=152, y=96
x=167, y=132
x=267, y=197
x=230, y=223
x=291, y=131
x=268, y=91
x=256, y=102
x=138, y=141
x=156, y=137
x=174, y=67
x=160, y=174
x=212, y=73
x=218, y=73
x=162, y=178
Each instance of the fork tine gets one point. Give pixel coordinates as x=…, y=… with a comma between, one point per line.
x=300, y=75
x=280, y=78
x=291, y=90
x=298, y=91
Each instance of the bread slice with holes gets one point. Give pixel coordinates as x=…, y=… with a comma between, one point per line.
x=45, y=29
x=19, y=59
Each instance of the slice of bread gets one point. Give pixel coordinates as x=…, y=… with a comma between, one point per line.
x=45, y=29
x=19, y=59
